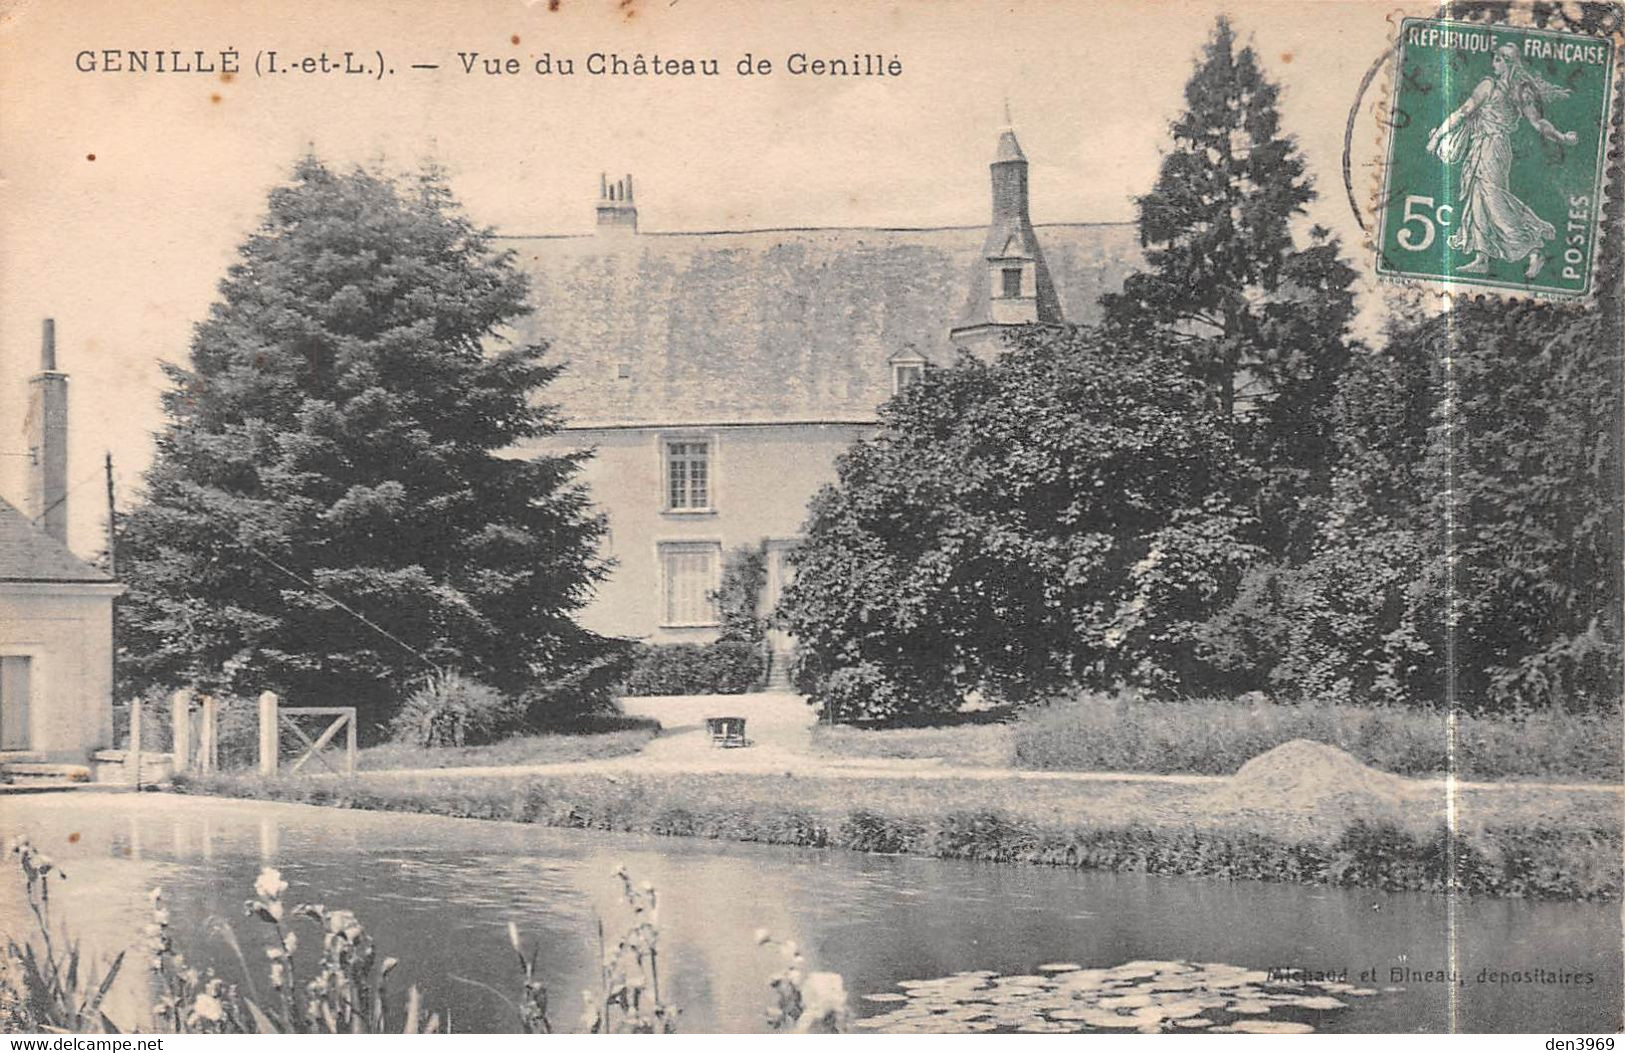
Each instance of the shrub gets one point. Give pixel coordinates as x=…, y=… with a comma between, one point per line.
x=869, y=692
x=588, y=689
x=452, y=710
x=744, y=575
x=726, y=667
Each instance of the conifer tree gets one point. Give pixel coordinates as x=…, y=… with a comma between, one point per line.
x=330, y=512
x=1261, y=320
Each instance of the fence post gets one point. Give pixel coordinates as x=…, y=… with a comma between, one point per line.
x=208, y=739
x=180, y=727
x=132, y=758
x=349, y=746
x=268, y=733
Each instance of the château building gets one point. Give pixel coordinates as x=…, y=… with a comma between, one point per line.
x=718, y=375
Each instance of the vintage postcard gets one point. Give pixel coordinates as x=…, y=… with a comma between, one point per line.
x=698, y=516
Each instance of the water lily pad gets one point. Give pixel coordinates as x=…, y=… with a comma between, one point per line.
x=1151, y=1014
x=1173, y=983
x=1149, y=966
x=1254, y=977
x=937, y=1026
x=1271, y=1027
x=1127, y=1001
x=1082, y=976
x=1143, y=995
x=1318, y=1002
x=1182, y=1009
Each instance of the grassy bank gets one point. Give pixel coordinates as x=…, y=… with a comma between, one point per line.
x=521, y=749
x=1513, y=843
x=1216, y=737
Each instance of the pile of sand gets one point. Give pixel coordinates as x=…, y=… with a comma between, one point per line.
x=1317, y=783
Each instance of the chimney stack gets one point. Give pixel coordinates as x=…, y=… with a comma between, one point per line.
x=47, y=435
x=616, y=212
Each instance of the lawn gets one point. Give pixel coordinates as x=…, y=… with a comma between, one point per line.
x=555, y=748
x=1216, y=737
x=971, y=745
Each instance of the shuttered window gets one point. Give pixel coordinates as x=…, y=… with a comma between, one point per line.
x=688, y=573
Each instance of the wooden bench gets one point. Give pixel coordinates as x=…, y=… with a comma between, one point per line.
x=727, y=732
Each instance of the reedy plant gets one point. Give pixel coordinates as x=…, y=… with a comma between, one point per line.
x=804, y=1003
x=44, y=987
x=628, y=998
x=348, y=991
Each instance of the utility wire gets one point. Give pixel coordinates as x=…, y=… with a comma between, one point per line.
x=69, y=492
x=329, y=597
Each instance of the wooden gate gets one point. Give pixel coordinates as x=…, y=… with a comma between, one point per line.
x=275, y=717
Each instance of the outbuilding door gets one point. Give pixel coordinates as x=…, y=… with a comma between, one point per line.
x=15, y=673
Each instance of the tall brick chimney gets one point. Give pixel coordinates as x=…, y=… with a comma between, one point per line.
x=616, y=212
x=47, y=430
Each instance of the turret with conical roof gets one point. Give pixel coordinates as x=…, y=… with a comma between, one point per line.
x=1010, y=285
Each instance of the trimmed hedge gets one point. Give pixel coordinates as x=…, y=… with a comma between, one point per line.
x=726, y=667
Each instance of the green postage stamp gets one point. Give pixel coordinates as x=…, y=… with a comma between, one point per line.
x=1497, y=157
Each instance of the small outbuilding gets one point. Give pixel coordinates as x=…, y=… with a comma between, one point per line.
x=56, y=610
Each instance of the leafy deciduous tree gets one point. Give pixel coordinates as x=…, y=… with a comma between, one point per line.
x=1060, y=515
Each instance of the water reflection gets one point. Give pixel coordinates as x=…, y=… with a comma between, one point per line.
x=438, y=894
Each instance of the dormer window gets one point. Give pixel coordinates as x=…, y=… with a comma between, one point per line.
x=1010, y=283
x=906, y=371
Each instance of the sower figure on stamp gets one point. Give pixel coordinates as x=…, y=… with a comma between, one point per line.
x=1493, y=221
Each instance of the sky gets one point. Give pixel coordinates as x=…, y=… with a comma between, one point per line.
x=123, y=196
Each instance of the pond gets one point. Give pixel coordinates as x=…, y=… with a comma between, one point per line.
x=438, y=894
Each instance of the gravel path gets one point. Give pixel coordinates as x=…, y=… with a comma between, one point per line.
x=780, y=730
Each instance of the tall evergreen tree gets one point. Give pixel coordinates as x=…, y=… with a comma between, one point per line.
x=1261, y=320
x=329, y=512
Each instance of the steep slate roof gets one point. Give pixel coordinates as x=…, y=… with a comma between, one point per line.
x=771, y=325
x=28, y=553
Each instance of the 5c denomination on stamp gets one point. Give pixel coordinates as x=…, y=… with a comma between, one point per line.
x=1497, y=149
